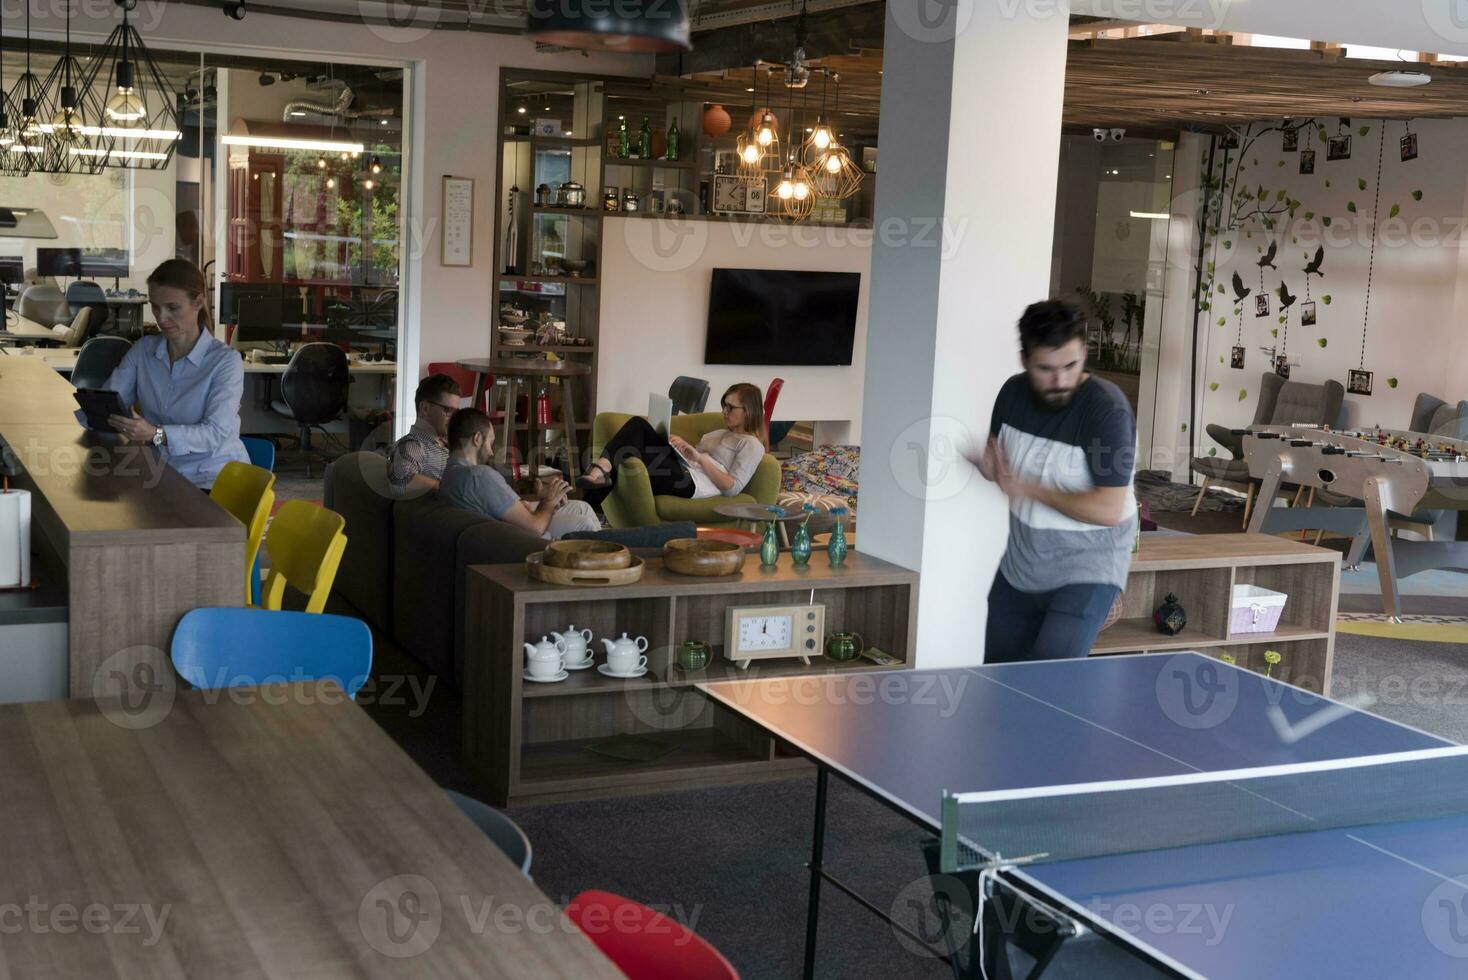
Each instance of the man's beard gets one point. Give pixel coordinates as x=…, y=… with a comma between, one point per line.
x=1057, y=397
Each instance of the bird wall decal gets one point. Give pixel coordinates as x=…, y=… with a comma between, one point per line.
x=1285, y=299
x=1313, y=269
x=1240, y=290
x=1268, y=258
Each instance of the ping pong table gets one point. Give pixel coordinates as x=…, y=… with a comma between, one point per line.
x=1269, y=864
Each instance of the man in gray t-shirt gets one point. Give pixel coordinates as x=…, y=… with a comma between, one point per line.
x=471, y=483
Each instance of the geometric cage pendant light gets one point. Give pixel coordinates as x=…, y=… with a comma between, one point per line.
x=13, y=158
x=139, y=117
x=69, y=114
x=30, y=140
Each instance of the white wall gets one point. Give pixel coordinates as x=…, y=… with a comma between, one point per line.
x=1415, y=281
x=655, y=289
x=455, y=95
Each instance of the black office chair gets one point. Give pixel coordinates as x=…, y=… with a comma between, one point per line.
x=313, y=390
x=84, y=295
x=99, y=357
x=689, y=395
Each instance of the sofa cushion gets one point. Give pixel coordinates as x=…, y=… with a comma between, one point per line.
x=356, y=488
x=426, y=537
x=484, y=542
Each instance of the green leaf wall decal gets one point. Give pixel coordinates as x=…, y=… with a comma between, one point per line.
x=1243, y=393
x=1213, y=386
x=1361, y=183
x=1351, y=206
x=1416, y=195
x=1325, y=299
x=1321, y=341
x=1391, y=382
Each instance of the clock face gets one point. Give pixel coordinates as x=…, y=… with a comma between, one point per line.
x=765, y=633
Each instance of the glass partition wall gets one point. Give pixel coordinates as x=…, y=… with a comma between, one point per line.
x=284, y=184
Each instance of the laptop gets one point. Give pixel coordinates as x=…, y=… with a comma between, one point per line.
x=660, y=413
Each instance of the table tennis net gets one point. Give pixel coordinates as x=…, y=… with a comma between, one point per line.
x=1062, y=823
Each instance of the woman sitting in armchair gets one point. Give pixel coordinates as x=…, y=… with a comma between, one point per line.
x=722, y=463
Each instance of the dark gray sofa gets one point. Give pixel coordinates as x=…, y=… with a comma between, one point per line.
x=404, y=565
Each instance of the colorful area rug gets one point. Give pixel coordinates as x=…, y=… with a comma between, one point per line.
x=1431, y=629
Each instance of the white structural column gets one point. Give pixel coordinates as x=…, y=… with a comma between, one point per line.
x=970, y=140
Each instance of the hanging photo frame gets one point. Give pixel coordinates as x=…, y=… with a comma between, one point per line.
x=1261, y=304
x=1408, y=144
x=1291, y=141
x=1358, y=382
x=1307, y=161
x=1230, y=141
x=1282, y=366
x=1307, y=313
x=1236, y=359
x=1338, y=147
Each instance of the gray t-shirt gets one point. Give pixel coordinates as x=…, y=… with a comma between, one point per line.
x=1089, y=443
x=478, y=488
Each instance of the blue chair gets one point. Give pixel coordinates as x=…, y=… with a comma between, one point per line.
x=504, y=832
x=262, y=454
x=218, y=648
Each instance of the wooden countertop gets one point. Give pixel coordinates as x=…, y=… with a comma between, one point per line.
x=95, y=493
x=1169, y=552
x=264, y=833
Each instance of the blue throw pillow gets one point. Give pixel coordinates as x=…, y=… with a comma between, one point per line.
x=651, y=536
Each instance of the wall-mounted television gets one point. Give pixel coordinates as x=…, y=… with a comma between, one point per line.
x=778, y=317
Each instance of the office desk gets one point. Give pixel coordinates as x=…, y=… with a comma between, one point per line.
x=139, y=544
x=271, y=832
x=64, y=360
x=22, y=328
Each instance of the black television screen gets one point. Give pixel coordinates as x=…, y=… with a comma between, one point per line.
x=767, y=316
x=59, y=261
x=105, y=263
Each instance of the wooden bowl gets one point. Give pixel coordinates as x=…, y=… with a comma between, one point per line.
x=702, y=557
x=583, y=576
x=587, y=555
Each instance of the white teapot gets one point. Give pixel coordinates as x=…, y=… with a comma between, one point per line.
x=575, y=642
x=545, y=657
x=623, y=653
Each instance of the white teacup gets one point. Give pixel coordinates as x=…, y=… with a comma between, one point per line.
x=543, y=666
x=619, y=662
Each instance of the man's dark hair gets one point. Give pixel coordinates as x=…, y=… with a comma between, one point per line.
x=464, y=425
x=1050, y=323
x=434, y=387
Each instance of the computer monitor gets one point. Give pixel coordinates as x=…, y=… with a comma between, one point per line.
x=12, y=269
x=59, y=261
x=257, y=321
x=105, y=263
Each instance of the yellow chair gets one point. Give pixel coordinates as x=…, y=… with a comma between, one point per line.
x=306, y=543
x=248, y=493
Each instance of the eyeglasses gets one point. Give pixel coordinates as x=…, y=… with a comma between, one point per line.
x=732, y=408
x=450, y=409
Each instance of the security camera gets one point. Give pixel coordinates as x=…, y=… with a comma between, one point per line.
x=1099, y=135
x=1117, y=135
x=235, y=11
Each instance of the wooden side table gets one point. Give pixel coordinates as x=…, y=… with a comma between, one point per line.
x=515, y=368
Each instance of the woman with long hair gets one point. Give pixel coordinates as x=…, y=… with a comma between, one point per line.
x=723, y=462
x=186, y=385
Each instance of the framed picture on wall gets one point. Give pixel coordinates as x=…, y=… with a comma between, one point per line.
x=1282, y=366
x=1338, y=147
x=1261, y=304
x=1307, y=313
x=1236, y=359
x=1409, y=147
x=1291, y=140
x=456, y=242
x=1307, y=161
x=1358, y=382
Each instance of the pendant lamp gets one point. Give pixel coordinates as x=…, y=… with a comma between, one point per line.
x=140, y=116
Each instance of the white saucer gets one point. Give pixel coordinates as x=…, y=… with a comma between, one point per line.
x=583, y=665
x=607, y=671
x=560, y=676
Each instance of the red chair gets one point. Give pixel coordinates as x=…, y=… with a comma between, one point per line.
x=467, y=381
x=644, y=944
x=772, y=394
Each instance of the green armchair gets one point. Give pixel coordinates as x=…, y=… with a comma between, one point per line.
x=632, y=503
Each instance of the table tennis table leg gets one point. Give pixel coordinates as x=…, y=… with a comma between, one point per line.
x=817, y=851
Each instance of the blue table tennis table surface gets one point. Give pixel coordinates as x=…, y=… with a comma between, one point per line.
x=1388, y=900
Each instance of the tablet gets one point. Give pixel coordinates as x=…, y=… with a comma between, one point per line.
x=97, y=404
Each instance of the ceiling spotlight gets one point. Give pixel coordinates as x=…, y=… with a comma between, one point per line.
x=376, y=165
x=331, y=182
x=1400, y=79
x=383, y=121
x=521, y=109
x=321, y=163
x=346, y=156
x=367, y=184
x=235, y=11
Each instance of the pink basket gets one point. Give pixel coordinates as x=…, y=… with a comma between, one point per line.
x=1255, y=610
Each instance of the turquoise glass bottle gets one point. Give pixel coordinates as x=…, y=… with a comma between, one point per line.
x=836, y=547
x=769, y=549
x=800, y=541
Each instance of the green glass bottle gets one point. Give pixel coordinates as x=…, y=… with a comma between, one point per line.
x=644, y=139
x=800, y=541
x=836, y=547
x=624, y=139
x=673, y=139
x=769, y=549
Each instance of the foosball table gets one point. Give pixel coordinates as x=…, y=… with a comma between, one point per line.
x=1375, y=475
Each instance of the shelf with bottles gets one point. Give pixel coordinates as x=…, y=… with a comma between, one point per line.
x=562, y=280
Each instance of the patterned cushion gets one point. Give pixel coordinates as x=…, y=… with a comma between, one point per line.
x=828, y=471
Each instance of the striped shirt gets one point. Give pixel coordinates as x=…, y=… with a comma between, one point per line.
x=421, y=451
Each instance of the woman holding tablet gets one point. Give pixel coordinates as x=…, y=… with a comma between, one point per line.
x=723, y=462
x=186, y=384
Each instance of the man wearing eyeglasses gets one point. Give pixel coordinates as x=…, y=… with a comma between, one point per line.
x=415, y=464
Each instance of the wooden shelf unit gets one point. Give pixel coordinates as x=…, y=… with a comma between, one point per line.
x=1202, y=571
x=526, y=741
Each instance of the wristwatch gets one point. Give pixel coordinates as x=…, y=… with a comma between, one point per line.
x=160, y=438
